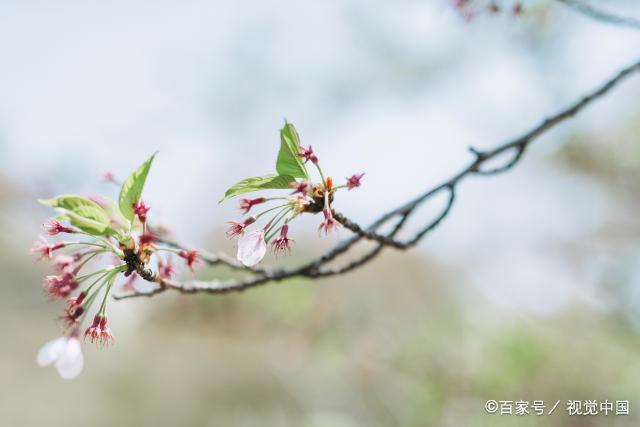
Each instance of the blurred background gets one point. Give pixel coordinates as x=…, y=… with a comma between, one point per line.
x=530, y=290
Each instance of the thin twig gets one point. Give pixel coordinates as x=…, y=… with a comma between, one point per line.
x=313, y=269
x=601, y=15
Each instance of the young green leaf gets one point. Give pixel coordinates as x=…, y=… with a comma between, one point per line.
x=116, y=220
x=83, y=213
x=264, y=182
x=91, y=220
x=132, y=189
x=288, y=162
x=69, y=202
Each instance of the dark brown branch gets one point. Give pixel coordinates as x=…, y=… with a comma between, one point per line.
x=388, y=240
x=313, y=269
x=601, y=15
x=368, y=256
x=518, y=145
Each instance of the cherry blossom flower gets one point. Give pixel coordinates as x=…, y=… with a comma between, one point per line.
x=246, y=204
x=109, y=177
x=465, y=8
x=308, y=154
x=76, y=301
x=106, y=337
x=329, y=224
x=299, y=203
x=517, y=9
x=98, y=332
x=165, y=269
x=65, y=263
x=93, y=331
x=140, y=209
x=71, y=316
x=301, y=188
x=354, y=181
x=45, y=249
x=58, y=287
x=66, y=355
x=252, y=248
x=238, y=228
x=54, y=227
x=283, y=242
x=191, y=257
x=147, y=239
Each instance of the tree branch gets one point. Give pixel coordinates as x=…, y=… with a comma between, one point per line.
x=314, y=268
x=600, y=15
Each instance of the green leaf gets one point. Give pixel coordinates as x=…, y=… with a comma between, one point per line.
x=132, y=189
x=91, y=220
x=264, y=182
x=288, y=162
x=69, y=202
x=112, y=210
x=83, y=213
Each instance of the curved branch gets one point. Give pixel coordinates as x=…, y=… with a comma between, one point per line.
x=600, y=15
x=313, y=269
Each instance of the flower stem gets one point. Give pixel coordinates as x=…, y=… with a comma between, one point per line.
x=85, y=243
x=324, y=182
x=86, y=276
x=83, y=263
x=110, y=280
x=107, y=244
x=269, y=210
x=274, y=224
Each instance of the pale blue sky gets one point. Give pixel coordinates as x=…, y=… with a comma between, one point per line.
x=395, y=89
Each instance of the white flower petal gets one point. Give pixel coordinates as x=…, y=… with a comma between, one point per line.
x=143, y=286
x=49, y=352
x=252, y=248
x=70, y=362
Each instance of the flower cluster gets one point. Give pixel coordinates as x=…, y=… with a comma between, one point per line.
x=304, y=196
x=107, y=241
x=65, y=352
x=97, y=227
x=469, y=9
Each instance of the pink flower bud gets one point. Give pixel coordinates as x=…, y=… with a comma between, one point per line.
x=59, y=287
x=354, y=181
x=98, y=332
x=191, y=257
x=246, y=204
x=165, y=269
x=301, y=188
x=147, y=239
x=45, y=249
x=308, y=154
x=109, y=177
x=65, y=263
x=283, y=242
x=140, y=209
x=54, y=227
x=71, y=316
x=238, y=228
x=329, y=224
